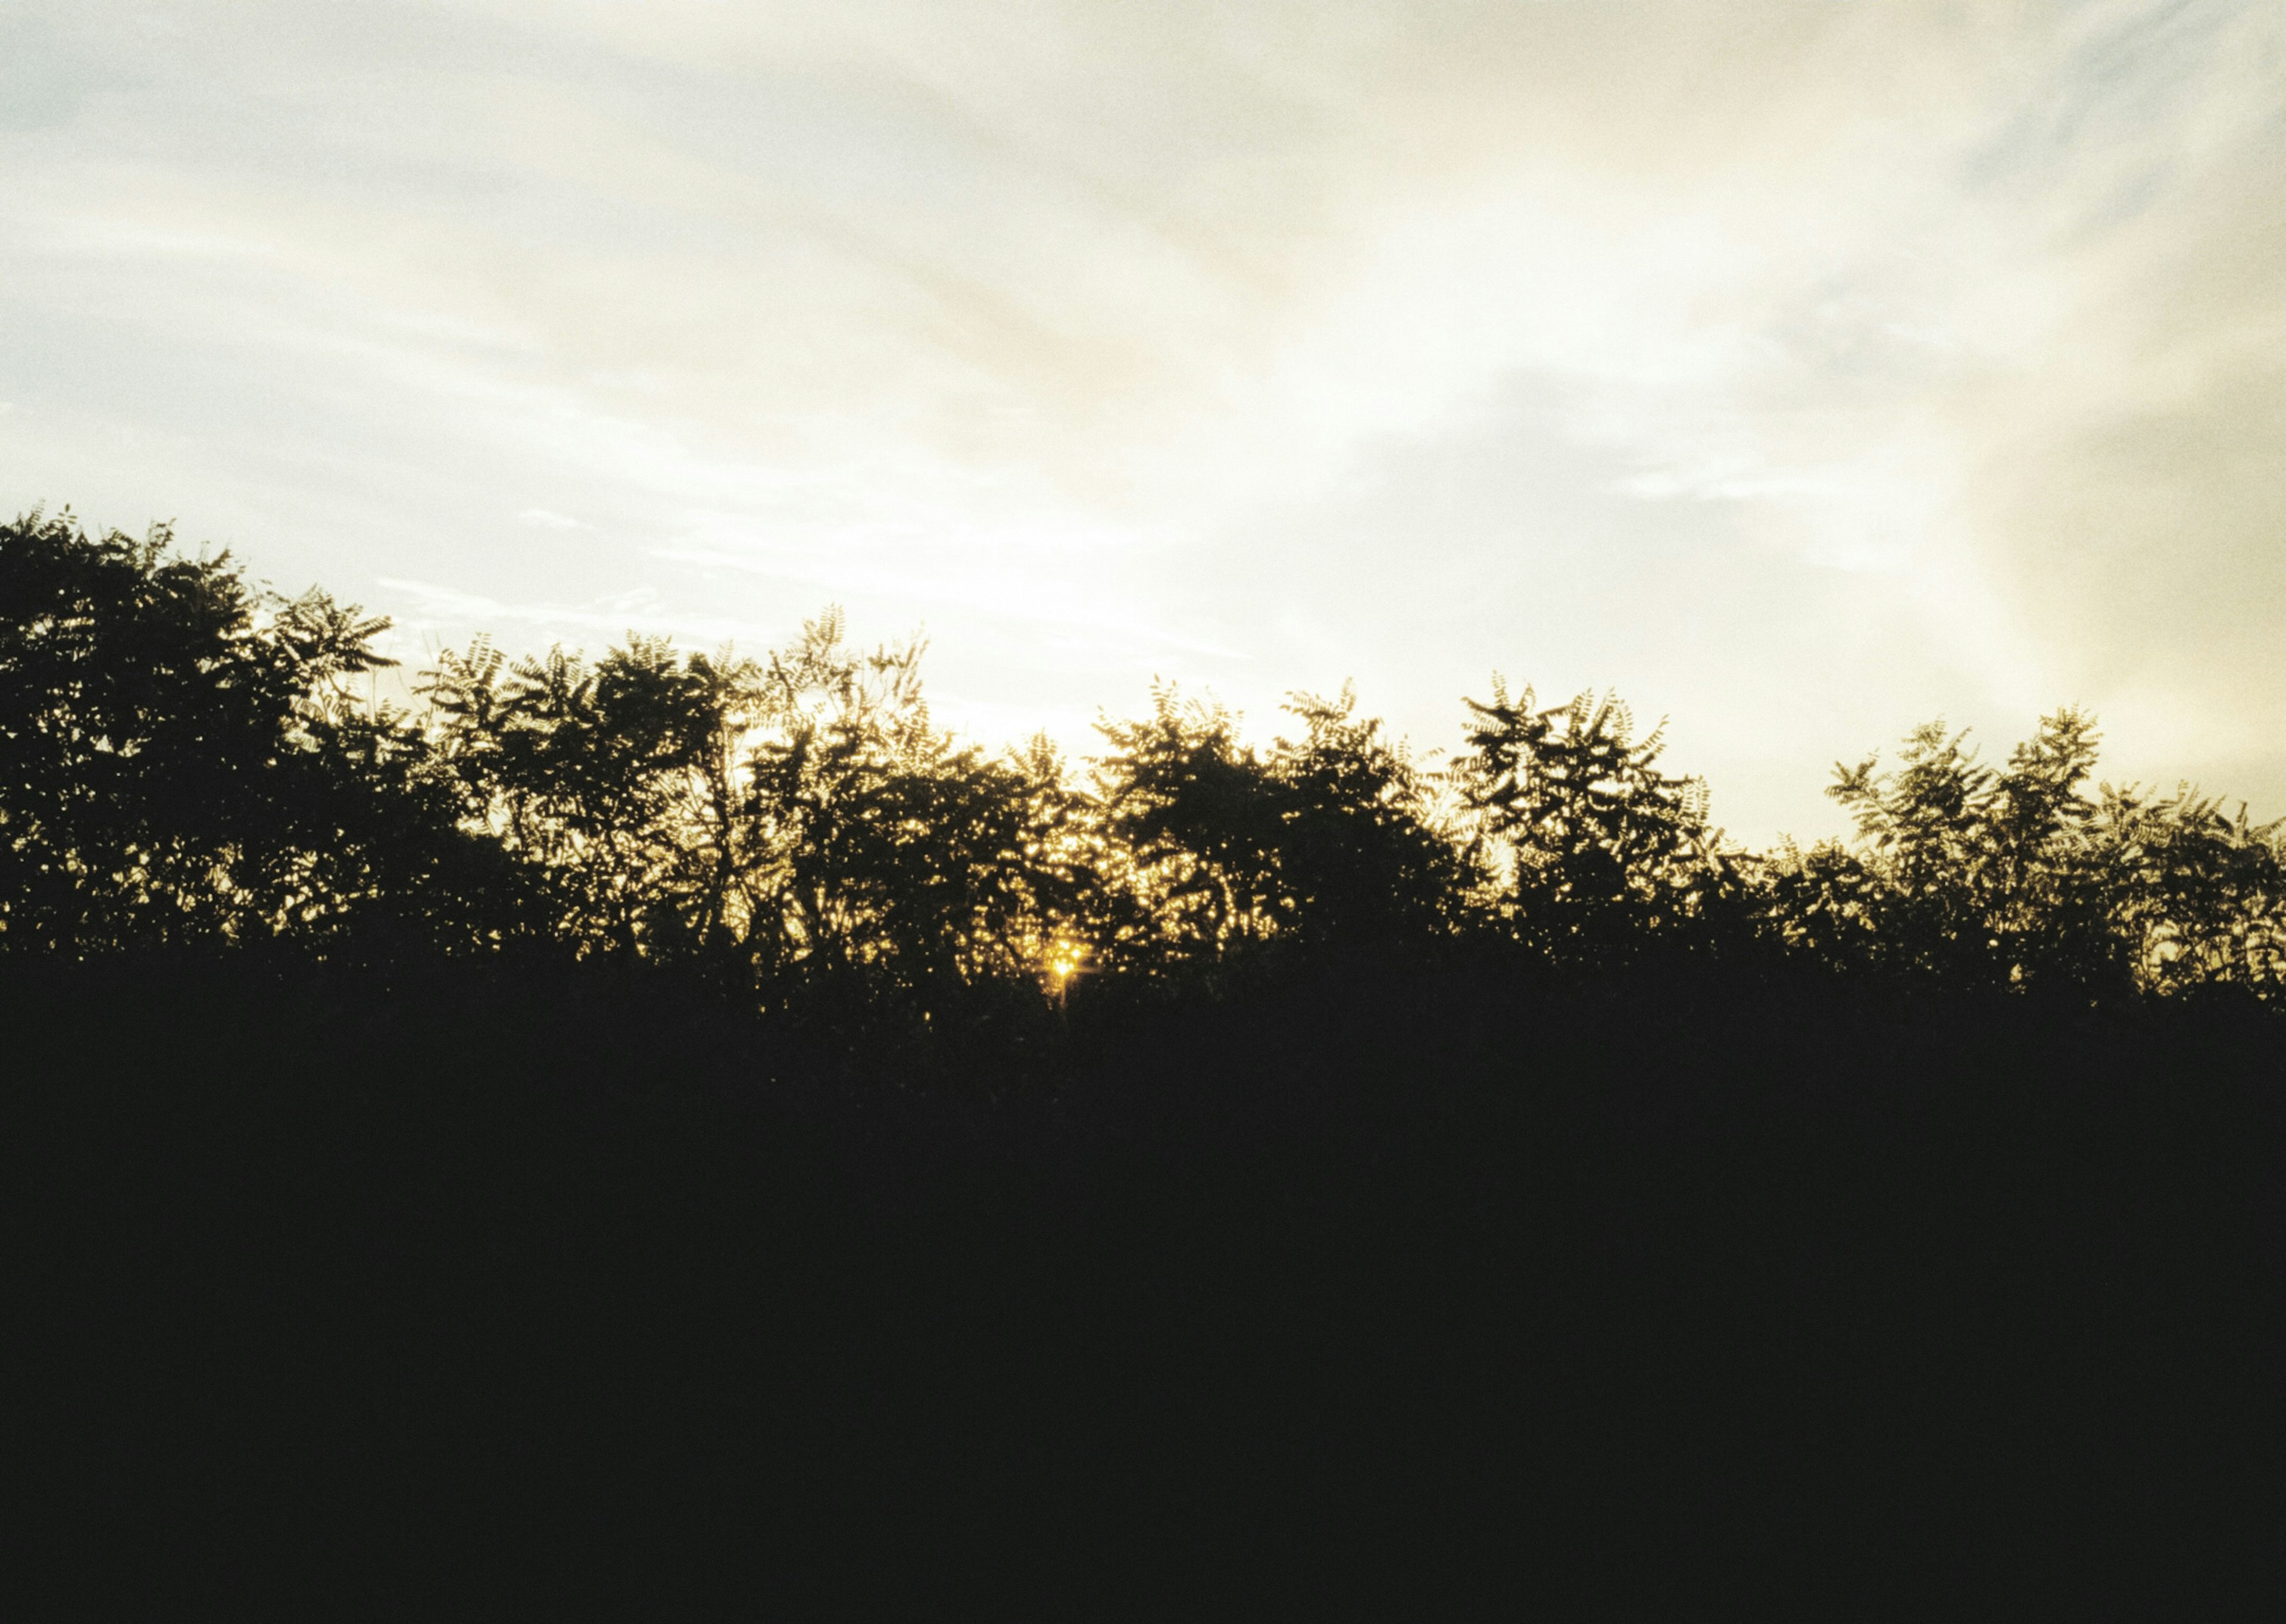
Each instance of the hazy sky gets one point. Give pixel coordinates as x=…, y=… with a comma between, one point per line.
x=1803, y=369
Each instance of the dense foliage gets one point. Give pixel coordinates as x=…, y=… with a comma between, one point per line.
x=186, y=759
x=496, y=1149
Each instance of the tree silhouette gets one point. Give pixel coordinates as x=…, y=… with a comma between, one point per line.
x=1605, y=855
x=2195, y=897
x=1369, y=852
x=661, y=1066
x=1969, y=876
x=617, y=784
x=1331, y=839
x=1194, y=816
x=184, y=761
x=893, y=862
x=187, y=761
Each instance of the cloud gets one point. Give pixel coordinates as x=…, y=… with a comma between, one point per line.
x=1927, y=346
x=437, y=609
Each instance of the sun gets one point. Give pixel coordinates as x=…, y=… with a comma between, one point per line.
x=1061, y=962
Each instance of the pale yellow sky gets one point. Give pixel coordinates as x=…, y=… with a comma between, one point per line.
x=1802, y=370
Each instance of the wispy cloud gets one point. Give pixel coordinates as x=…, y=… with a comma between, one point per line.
x=436, y=609
x=1803, y=369
x=542, y=518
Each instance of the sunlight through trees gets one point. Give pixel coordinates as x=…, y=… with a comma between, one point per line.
x=188, y=760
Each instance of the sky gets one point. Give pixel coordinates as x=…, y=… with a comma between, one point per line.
x=1801, y=369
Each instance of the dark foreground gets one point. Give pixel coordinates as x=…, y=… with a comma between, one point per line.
x=461, y=1294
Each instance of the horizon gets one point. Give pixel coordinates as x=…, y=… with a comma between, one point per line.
x=1800, y=371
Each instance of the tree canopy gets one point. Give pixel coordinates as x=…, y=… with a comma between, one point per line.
x=185, y=758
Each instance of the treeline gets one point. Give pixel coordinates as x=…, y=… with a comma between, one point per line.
x=452, y=1141
x=191, y=760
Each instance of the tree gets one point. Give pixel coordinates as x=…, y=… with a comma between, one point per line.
x=796, y=825
x=1366, y=854
x=1194, y=818
x=1603, y=855
x=2195, y=897
x=617, y=784
x=1970, y=877
x=185, y=758
x=181, y=760
x=891, y=865
x=1331, y=841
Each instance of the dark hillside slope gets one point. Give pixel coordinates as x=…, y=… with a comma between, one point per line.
x=1371, y=1286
